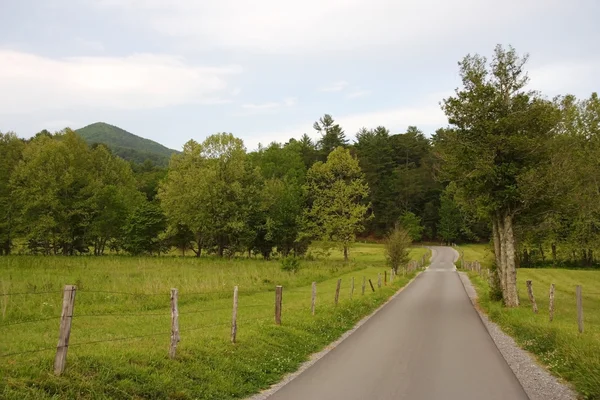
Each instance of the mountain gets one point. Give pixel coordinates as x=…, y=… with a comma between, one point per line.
x=125, y=144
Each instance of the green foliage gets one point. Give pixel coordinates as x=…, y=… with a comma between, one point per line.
x=412, y=225
x=126, y=145
x=11, y=150
x=142, y=229
x=397, y=246
x=336, y=193
x=290, y=264
x=211, y=188
x=332, y=136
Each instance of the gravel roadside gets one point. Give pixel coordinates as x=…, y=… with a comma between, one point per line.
x=538, y=383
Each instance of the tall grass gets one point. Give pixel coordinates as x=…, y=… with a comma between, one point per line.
x=121, y=325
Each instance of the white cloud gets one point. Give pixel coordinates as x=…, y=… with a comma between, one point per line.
x=91, y=45
x=266, y=108
x=334, y=87
x=318, y=26
x=572, y=77
x=31, y=83
x=358, y=93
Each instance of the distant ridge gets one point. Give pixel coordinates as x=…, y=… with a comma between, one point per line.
x=125, y=144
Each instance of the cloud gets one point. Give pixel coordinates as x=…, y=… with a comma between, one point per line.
x=266, y=108
x=358, y=93
x=572, y=77
x=90, y=45
x=30, y=83
x=334, y=87
x=320, y=26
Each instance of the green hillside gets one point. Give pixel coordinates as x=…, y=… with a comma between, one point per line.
x=125, y=144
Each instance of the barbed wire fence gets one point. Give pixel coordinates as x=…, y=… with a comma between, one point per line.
x=351, y=289
x=486, y=273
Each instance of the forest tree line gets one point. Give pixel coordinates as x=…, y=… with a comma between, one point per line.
x=510, y=164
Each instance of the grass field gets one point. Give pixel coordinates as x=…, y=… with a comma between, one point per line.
x=121, y=326
x=558, y=344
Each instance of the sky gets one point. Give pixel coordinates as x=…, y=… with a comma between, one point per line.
x=265, y=70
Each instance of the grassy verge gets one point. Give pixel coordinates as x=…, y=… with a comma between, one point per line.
x=128, y=298
x=558, y=345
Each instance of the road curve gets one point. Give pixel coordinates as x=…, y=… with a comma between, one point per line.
x=427, y=343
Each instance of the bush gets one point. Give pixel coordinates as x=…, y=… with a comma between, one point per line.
x=290, y=264
x=397, y=245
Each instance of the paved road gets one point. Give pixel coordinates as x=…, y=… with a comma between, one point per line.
x=427, y=343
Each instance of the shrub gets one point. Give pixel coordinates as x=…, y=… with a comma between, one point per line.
x=397, y=244
x=290, y=264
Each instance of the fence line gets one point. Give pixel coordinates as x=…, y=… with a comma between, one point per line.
x=28, y=293
x=475, y=266
x=309, y=307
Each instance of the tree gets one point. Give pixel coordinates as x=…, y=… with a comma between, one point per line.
x=397, y=245
x=53, y=187
x=142, y=229
x=449, y=226
x=494, y=147
x=114, y=197
x=281, y=199
x=209, y=189
x=11, y=150
x=412, y=225
x=332, y=135
x=336, y=193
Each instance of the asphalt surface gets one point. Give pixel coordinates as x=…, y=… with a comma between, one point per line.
x=427, y=343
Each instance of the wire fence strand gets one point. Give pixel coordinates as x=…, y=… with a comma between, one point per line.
x=29, y=322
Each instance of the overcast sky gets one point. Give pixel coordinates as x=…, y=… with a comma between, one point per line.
x=264, y=70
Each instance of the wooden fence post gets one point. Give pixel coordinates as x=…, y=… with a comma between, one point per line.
x=278, y=300
x=364, y=285
x=352, y=288
x=531, y=297
x=579, y=309
x=371, y=283
x=234, y=315
x=551, y=303
x=64, y=333
x=379, y=280
x=314, y=298
x=385, y=277
x=337, y=291
x=174, y=324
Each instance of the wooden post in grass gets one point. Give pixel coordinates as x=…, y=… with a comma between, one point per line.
x=385, y=277
x=352, y=288
x=234, y=315
x=174, y=324
x=314, y=298
x=337, y=291
x=371, y=283
x=531, y=297
x=364, y=285
x=579, y=309
x=64, y=333
x=278, y=299
x=379, y=280
x=551, y=303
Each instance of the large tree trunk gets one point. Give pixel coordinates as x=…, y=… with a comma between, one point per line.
x=504, y=249
x=345, y=253
x=511, y=296
x=554, y=254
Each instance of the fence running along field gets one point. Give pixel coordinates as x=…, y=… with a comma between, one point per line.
x=577, y=291
x=180, y=310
